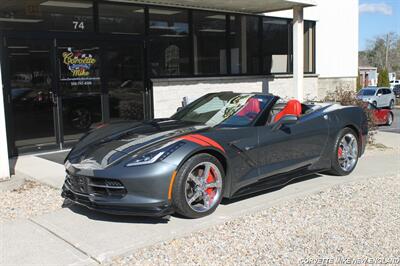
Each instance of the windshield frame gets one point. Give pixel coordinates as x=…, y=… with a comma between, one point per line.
x=190, y=107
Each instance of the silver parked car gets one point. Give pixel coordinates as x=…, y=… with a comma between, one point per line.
x=378, y=96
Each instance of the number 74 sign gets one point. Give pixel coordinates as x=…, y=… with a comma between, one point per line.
x=78, y=25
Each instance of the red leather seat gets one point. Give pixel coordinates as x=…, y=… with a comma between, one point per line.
x=252, y=106
x=293, y=107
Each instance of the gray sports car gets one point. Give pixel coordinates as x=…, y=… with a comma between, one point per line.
x=223, y=145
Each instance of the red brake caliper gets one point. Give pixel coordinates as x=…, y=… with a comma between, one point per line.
x=210, y=179
x=340, y=152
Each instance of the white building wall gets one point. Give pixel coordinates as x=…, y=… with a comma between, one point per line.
x=4, y=162
x=336, y=39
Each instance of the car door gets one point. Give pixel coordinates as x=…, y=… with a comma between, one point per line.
x=380, y=101
x=388, y=95
x=291, y=147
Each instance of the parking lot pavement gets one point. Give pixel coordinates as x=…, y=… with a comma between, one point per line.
x=97, y=238
x=395, y=127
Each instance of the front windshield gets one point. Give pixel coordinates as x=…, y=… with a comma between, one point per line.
x=367, y=92
x=229, y=109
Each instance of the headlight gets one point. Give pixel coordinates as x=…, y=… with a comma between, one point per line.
x=156, y=155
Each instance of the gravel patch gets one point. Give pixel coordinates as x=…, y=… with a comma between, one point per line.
x=351, y=221
x=29, y=200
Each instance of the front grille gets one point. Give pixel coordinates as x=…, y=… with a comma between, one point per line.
x=102, y=187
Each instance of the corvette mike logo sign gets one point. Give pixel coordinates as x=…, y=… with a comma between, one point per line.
x=78, y=66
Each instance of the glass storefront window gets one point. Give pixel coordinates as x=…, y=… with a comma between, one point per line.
x=244, y=44
x=169, y=42
x=123, y=69
x=168, y=22
x=309, y=49
x=209, y=43
x=276, y=55
x=76, y=16
x=125, y=19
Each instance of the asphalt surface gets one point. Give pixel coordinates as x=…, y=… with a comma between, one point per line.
x=395, y=127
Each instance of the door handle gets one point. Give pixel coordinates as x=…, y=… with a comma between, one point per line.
x=53, y=97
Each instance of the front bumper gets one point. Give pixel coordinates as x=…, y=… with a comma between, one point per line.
x=135, y=210
x=140, y=191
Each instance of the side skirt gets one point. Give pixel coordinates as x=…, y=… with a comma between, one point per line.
x=276, y=181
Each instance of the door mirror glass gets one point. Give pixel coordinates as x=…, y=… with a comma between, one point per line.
x=286, y=120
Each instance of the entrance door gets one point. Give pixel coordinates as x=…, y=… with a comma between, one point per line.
x=32, y=93
x=62, y=88
x=79, y=86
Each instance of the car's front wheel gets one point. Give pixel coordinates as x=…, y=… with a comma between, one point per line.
x=198, y=186
x=345, y=153
x=390, y=119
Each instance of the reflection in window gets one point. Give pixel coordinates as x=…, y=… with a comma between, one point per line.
x=121, y=19
x=169, y=43
x=276, y=45
x=124, y=72
x=309, y=49
x=209, y=43
x=47, y=15
x=244, y=44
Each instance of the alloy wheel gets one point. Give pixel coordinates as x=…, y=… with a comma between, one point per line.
x=390, y=119
x=203, y=187
x=348, y=152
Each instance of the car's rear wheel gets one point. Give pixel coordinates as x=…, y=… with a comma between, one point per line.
x=345, y=153
x=198, y=186
x=391, y=105
x=389, y=119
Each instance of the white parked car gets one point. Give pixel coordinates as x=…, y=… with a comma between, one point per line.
x=378, y=96
x=394, y=82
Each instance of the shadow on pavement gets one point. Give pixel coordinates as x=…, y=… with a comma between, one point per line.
x=99, y=216
x=269, y=190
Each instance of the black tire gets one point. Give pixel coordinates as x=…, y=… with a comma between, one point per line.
x=390, y=119
x=179, y=202
x=391, y=105
x=336, y=169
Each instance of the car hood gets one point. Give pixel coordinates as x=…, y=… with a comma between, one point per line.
x=113, y=142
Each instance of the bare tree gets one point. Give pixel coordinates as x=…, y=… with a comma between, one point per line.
x=382, y=52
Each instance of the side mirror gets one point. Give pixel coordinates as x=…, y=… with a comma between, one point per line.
x=379, y=94
x=286, y=120
x=179, y=108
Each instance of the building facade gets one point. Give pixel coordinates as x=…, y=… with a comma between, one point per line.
x=70, y=66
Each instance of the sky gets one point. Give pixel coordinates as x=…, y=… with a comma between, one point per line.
x=378, y=17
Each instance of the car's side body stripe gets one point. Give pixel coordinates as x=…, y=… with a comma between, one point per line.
x=202, y=141
x=210, y=141
x=195, y=140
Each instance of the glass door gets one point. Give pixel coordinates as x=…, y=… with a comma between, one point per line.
x=123, y=71
x=33, y=99
x=79, y=82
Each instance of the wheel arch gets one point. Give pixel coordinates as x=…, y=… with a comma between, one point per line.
x=220, y=157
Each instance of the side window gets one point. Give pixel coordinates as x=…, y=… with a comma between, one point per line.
x=379, y=92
